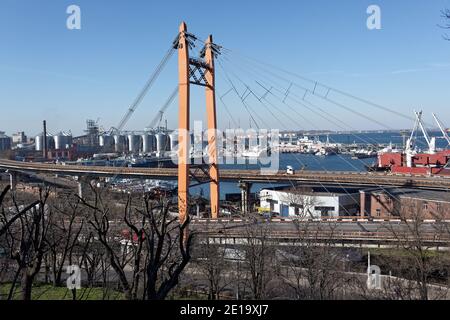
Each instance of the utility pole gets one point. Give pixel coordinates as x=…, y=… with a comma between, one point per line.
x=44, y=141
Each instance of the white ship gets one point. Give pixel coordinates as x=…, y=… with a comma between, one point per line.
x=255, y=152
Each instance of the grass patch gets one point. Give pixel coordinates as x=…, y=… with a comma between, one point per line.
x=48, y=292
x=403, y=253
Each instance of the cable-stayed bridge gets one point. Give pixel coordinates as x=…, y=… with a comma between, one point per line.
x=265, y=93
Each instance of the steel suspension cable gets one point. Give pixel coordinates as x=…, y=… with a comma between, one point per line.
x=345, y=160
x=146, y=88
x=349, y=95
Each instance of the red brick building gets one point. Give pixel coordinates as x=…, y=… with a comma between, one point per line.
x=391, y=202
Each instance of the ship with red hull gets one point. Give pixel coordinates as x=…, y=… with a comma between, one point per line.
x=413, y=161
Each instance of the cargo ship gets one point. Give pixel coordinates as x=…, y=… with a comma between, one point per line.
x=411, y=160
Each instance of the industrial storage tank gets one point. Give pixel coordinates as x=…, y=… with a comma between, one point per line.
x=120, y=143
x=62, y=140
x=59, y=141
x=148, y=143
x=39, y=142
x=134, y=143
x=173, y=141
x=162, y=142
x=105, y=141
x=69, y=140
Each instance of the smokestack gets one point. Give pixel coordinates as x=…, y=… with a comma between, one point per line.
x=44, y=140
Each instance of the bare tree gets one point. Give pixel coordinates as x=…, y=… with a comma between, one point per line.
x=7, y=222
x=446, y=16
x=63, y=236
x=168, y=245
x=27, y=242
x=211, y=263
x=418, y=259
x=155, y=247
x=312, y=267
x=118, y=255
x=258, y=259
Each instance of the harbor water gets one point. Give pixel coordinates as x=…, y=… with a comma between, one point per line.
x=338, y=162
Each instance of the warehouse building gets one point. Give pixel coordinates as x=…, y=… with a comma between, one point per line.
x=313, y=202
x=19, y=138
x=403, y=202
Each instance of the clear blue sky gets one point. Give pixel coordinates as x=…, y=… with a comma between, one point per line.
x=67, y=76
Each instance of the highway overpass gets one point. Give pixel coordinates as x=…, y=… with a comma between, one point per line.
x=353, y=233
x=328, y=178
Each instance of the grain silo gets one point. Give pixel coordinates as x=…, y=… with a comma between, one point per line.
x=134, y=142
x=162, y=142
x=148, y=143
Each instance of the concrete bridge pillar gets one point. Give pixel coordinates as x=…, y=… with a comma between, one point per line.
x=197, y=210
x=13, y=180
x=364, y=211
x=84, y=186
x=245, y=191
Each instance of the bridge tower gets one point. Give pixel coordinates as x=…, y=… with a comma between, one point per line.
x=198, y=72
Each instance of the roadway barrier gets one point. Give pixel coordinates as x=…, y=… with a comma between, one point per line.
x=338, y=236
x=340, y=220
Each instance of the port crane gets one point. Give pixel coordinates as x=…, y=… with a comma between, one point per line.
x=159, y=116
x=441, y=127
x=148, y=85
x=431, y=141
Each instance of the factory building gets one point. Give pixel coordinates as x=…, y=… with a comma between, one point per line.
x=406, y=203
x=62, y=154
x=5, y=142
x=310, y=202
x=19, y=137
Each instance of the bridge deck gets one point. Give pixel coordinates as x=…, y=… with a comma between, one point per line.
x=313, y=177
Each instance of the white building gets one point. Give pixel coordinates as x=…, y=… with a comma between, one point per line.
x=19, y=137
x=311, y=202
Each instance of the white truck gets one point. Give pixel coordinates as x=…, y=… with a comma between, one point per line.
x=290, y=170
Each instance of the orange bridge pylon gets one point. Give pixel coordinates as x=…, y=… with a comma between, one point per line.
x=197, y=71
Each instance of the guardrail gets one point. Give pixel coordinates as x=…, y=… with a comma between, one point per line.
x=340, y=220
x=335, y=236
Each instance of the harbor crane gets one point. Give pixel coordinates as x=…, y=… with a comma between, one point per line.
x=148, y=85
x=431, y=141
x=159, y=116
x=441, y=127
